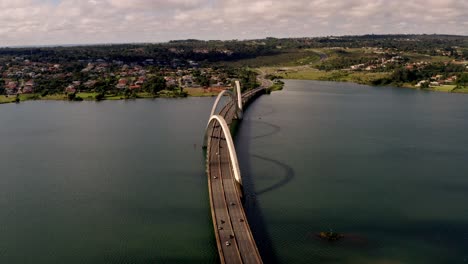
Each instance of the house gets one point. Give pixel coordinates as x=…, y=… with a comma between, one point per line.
x=218, y=85
x=90, y=84
x=437, y=77
x=135, y=87
x=28, y=87
x=202, y=51
x=122, y=84
x=450, y=80
x=70, y=89
x=11, y=88
x=420, y=83
x=187, y=80
x=141, y=80
x=88, y=68
x=170, y=81
x=193, y=63
x=356, y=67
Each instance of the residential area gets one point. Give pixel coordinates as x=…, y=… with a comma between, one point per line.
x=20, y=76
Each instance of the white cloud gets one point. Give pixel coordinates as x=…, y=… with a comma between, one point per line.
x=31, y=22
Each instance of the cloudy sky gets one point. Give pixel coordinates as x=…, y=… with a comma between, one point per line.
x=46, y=22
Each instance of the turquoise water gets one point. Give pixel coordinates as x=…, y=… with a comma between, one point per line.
x=124, y=181
x=386, y=167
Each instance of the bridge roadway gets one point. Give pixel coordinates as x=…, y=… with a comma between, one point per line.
x=233, y=235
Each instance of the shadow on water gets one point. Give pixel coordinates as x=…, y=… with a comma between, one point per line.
x=269, y=111
x=275, y=129
x=251, y=203
x=289, y=174
x=289, y=171
x=253, y=210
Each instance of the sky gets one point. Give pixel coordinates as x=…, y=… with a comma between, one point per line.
x=58, y=22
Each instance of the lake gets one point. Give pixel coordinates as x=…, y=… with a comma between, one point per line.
x=124, y=181
x=386, y=167
x=107, y=182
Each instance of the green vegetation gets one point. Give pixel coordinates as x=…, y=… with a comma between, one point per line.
x=88, y=96
x=462, y=81
x=378, y=66
x=155, y=84
x=172, y=94
x=278, y=86
x=307, y=73
x=201, y=68
x=286, y=58
x=444, y=88
x=4, y=99
x=200, y=92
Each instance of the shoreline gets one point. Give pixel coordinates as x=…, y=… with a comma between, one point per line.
x=364, y=78
x=91, y=96
x=272, y=88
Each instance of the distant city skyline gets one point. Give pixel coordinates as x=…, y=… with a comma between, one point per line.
x=61, y=22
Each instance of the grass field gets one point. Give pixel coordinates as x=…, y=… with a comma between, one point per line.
x=461, y=90
x=23, y=97
x=87, y=96
x=307, y=73
x=91, y=96
x=54, y=97
x=5, y=100
x=444, y=88
x=415, y=57
x=276, y=87
x=199, y=92
x=286, y=58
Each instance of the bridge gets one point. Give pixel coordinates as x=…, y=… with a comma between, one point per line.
x=234, y=238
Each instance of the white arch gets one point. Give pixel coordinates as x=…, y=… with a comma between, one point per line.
x=233, y=98
x=230, y=144
x=239, y=95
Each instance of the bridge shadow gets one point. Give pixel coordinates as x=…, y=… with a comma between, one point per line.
x=289, y=174
x=252, y=208
x=274, y=129
x=289, y=171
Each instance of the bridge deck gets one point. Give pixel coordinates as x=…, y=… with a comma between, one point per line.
x=233, y=235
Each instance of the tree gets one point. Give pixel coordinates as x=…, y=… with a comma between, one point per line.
x=127, y=93
x=248, y=79
x=2, y=86
x=71, y=96
x=203, y=80
x=155, y=84
x=462, y=80
x=465, y=54
x=425, y=85
x=99, y=96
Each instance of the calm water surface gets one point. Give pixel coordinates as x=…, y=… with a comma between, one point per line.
x=124, y=182
x=108, y=182
x=387, y=167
